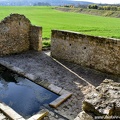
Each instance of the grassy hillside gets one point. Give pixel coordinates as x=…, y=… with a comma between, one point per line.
x=104, y=13
x=49, y=19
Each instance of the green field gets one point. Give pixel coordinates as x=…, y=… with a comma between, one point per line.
x=49, y=19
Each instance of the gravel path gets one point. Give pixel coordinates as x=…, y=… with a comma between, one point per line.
x=74, y=78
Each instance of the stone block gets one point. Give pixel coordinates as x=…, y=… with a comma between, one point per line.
x=59, y=100
x=54, y=88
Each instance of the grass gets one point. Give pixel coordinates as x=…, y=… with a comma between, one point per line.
x=46, y=43
x=49, y=19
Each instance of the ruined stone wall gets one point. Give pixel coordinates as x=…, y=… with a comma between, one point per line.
x=36, y=38
x=15, y=35
x=103, y=102
x=95, y=52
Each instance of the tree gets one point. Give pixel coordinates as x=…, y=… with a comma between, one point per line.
x=93, y=6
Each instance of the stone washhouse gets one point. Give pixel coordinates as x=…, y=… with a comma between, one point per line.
x=18, y=35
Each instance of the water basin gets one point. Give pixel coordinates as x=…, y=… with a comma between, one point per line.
x=22, y=95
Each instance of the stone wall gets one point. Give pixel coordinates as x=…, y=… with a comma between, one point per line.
x=15, y=35
x=36, y=38
x=95, y=52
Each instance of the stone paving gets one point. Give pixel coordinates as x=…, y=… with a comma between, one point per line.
x=71, y=77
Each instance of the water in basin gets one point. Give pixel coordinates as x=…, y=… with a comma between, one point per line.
x=22, y=95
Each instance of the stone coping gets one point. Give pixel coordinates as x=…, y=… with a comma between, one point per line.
x=15, y=116
x=58, y=90
x=10, y=112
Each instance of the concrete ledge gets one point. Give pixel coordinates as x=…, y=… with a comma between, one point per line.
x=15, y=116
x=39, y=115
x=18, y=70
x=63, y=95
x=60, y=100
x=64, y=92
x=54, y=88
x=43, y=83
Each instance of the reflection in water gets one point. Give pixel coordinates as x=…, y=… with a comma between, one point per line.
x=24, y=96
x=8, y=76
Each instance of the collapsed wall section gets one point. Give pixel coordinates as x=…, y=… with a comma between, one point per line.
x=95, y=52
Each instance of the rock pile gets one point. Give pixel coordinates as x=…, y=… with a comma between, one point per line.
x=102, y=103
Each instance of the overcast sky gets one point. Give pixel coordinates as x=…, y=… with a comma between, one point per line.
x=103, y=1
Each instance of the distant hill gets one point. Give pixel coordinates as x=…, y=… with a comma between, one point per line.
x=105, y=13
x=50, y=2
